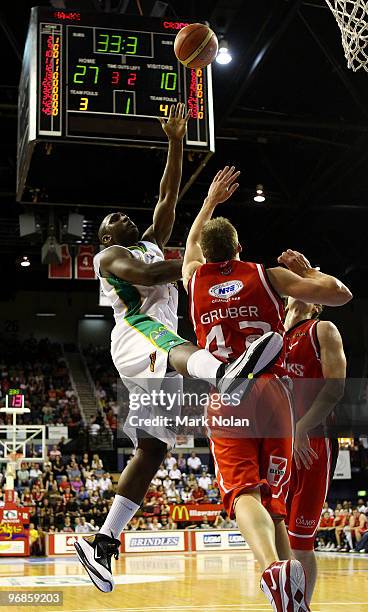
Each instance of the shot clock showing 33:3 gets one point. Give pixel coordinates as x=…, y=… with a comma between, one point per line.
x=108, y=77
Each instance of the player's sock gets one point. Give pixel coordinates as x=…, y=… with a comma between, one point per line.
x=202, y=364
x=120, y=513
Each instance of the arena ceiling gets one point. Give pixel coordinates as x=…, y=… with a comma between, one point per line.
x=288, y=113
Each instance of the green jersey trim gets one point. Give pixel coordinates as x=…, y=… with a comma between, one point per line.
x=127, y=293
x=154, y=331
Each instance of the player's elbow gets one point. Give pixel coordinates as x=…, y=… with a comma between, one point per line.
x=339, y=296
x=344, y=295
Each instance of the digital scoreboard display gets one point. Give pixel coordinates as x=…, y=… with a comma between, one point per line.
x=106, y=78
x=14, y=399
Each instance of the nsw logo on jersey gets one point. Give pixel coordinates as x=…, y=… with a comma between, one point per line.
x=227, y=290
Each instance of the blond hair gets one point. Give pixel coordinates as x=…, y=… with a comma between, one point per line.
x=219, y=240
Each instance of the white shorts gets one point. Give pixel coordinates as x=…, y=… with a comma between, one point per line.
x=139, y=350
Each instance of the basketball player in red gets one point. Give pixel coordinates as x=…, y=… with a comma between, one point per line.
x=315, y=359
x=231, y=304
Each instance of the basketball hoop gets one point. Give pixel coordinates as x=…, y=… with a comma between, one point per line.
x=352, y=19
x=14, y=461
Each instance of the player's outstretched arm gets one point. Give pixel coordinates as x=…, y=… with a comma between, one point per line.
x=122, y=264
x=164, y=214
x=305, y=283
x=221, y=189
x=333, y=363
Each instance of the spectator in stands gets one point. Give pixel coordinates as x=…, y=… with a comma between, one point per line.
x=362, y=527
x=82, y=526
x=54, y=496
x=85, y=463
x=73, y=470
x=67, y=526
x=175, y=474
x=26, y=497
x=91, y=483
x=186, y=495
x=162, y=472
x=182, y=463
x=361, y=506
x=92, y=525
x=352, y=523
x=104, y=482
x=223, y=521
x=58, y=468
x=94, y=427
x=197, y=494
x=64, y=484
x=141, y=525
x=194, y=463
x=171, y=524
x=212, y=494
x=34, y=540
x=204, y=481
x=54, y=453
x=35, y=472
x=23, y=476
x=326, y=508
x=326, y=531
x=169, y=461
x=97, y=465
x=76, y=484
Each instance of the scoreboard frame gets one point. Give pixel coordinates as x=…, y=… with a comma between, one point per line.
x=59, y=24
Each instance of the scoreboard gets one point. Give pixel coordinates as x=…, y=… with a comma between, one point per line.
x=104, y=79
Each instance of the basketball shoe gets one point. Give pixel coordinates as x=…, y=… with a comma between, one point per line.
x=283, y=583
x=258, y=358
x=95, y=554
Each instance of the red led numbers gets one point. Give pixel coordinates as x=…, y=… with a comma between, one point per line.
x=115, y=77
x=132, y=78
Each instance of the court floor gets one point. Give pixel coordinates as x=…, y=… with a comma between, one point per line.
x=208, y=582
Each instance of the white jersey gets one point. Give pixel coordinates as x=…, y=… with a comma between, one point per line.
x=159, y=302
x=145, y=331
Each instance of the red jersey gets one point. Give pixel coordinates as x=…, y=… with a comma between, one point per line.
x=231, y=304
x=303, y=360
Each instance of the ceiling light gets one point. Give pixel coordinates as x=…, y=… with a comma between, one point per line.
x=45, y=314
x=260, y=196
x=24, y=262
x=94, y=316
x=224, y=56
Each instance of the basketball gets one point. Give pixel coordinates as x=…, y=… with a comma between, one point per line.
x=196, y=46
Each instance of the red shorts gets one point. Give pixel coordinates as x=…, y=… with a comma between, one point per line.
x=307, y=494
x=243, y=464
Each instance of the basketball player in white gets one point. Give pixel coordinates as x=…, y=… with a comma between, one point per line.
x=144, y=343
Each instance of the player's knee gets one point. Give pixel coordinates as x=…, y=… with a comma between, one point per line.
x=152, y=449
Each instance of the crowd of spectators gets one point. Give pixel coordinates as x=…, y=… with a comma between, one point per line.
x=38, y=368
x=72, y=495
x=344, y=528
x=104, y=376
x=179, y=480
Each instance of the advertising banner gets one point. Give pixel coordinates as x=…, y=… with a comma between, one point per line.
x=194, y=512
x=14, y=531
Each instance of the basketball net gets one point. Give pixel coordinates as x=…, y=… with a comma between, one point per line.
x=13, y=464
x=352, y=19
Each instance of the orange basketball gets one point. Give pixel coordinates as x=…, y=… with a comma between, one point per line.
x=196, y=45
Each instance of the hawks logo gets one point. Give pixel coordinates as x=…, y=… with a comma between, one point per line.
x=153, y=361
x=276, y=470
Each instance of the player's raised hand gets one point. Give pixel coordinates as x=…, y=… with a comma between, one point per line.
x=223, y=185
x=175, y=127
x=295, y=261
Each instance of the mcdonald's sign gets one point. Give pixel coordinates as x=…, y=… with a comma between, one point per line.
x=179, y=513
x=194, y=512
